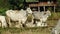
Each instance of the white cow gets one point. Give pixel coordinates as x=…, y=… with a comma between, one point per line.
x=3, y=21
x=56, y=29
x=40, y=24
x=42, y=16
x=45, y=15
x=29, y=10
x=20, y=16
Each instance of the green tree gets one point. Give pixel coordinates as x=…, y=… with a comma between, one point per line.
x=16, y=4
x=58, y=3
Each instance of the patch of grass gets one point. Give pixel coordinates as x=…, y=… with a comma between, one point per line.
x=26, y=30
x=3, y=10
x=55, y=15
x=53, y=19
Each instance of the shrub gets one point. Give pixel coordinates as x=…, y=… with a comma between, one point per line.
x=2, y=11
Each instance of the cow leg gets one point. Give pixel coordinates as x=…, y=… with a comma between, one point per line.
x=4, y=25
x=0, y=24
x=19, y=24
x=3, y=22
x=32, y=19
x=9, y=22
x=23, y=23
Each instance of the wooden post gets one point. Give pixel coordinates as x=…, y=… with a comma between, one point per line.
x=44, y=8
x=54, y=8
x=39, y=9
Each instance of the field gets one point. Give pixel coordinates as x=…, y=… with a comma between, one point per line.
x=52, y=21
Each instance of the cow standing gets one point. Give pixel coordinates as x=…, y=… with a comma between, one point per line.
x=3, y=21
x=20, y=16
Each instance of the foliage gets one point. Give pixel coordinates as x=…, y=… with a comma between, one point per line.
x=4, y=4
x=16, y=4
x=58, y=7
x=55, y=16
x=49, y=9
x=31, y=0
x=2, y=11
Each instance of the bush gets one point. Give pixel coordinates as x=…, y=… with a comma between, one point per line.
x=2, y=11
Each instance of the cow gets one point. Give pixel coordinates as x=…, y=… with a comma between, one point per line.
x=56, y=28
x=3, y=22
x=20, y=16
x=16, y=16
x=41, y=17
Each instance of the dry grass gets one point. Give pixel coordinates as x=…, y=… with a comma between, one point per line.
x=25, y=31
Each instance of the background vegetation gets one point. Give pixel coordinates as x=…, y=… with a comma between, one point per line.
x=18, y=4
